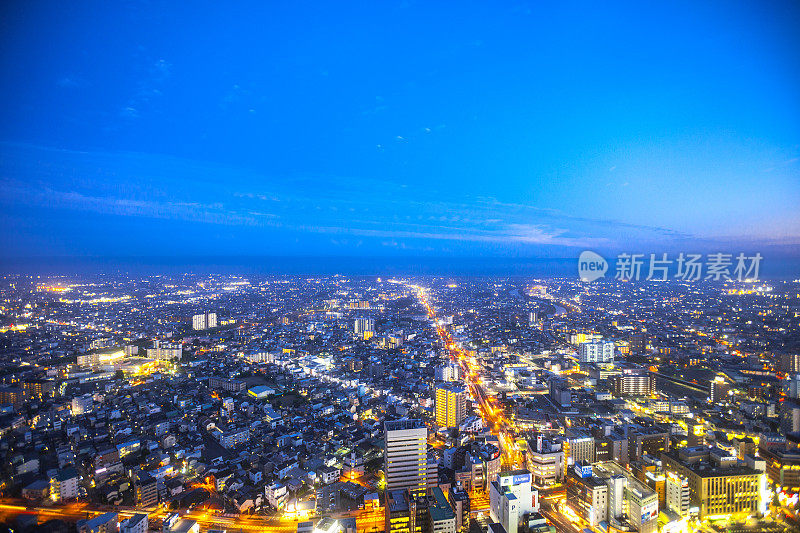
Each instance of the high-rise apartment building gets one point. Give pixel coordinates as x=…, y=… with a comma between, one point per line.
x=596, y=351
x=789, y=363
x=633, y=382
x=448, y=372
x=451, y=405
x=204, y=321
x=362, y=326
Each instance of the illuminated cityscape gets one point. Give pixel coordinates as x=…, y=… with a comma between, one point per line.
x=399, y=267
x=471, y=405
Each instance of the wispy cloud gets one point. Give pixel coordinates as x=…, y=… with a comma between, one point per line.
x=345, y=208
x=149, y=88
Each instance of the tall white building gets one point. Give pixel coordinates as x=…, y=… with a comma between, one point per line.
x=363, y=325
x=448, y=372
x=678, y=493
x=204, y=321
x=511, y=498
x=596, y=351
x=406, y=455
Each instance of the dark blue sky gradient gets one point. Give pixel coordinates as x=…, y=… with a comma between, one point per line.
x=457, y=129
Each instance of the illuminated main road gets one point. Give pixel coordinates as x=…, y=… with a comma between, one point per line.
x=366, y=520
x=494, y=418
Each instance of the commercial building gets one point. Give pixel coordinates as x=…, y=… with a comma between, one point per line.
x=782, y=464
x=545, y=460
x=475, y=464
x=459, y=499
x=718, y=483
x=678, y=495
x=512, y=500
x=608, y=492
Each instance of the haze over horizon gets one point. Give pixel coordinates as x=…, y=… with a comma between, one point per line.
x=399, y=130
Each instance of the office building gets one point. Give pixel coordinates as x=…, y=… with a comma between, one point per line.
x=790, y=416
x=647, y=441
x=719, y=390
x=408, y=513
x=559, y=391
x=578, y=447
x=406, y=455
x=451, y=404
x=587, y=495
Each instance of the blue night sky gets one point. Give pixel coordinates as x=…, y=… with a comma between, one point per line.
x=440, y=129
